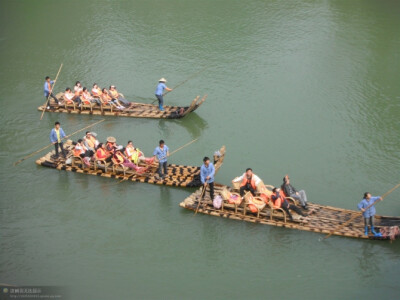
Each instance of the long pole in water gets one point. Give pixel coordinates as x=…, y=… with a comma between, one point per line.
x=44, y=148
x=357, y=215
x=184, y=81
x=201, y=197
x=55, y=81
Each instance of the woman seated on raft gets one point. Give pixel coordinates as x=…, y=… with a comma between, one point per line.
x=117, y=96
x=119, y=159
x=87, y=97
x=102, y=153
x=106, y=98
x=135, y=155
x=81, y=151
x=71, y=97
x=96, y=91
x=279, y=201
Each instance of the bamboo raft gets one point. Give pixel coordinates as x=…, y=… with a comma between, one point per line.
x=321, y=219
x=137, y=110
x=178, y=175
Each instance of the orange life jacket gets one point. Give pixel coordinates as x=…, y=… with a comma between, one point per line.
x=246, y=181
x=78, y=152
x=279, y=200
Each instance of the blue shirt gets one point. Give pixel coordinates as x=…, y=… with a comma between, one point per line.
x=161, y=153
x=160, y=88
x=53, y=135
x=207, y=171
x=46, y=88
x=365, y=203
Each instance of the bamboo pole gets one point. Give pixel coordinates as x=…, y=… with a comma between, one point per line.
x=44, y=148
x=201, y=197
x=184, y=81
x=55, y=81
x=357, y=215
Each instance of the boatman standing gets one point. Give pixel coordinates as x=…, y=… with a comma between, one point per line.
x=48, y=90
x=160, y=91
x=207, y=172
x=161, y=153
x=56, y=135
x=369, y=213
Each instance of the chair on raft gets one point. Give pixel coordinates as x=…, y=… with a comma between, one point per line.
x=105, y=105
x=230, y=198
x=68, y=104
x=101, y=163
x=87, y=105
x=253, y=203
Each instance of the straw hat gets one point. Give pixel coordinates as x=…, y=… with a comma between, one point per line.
x=162, y=80
x=111, y=139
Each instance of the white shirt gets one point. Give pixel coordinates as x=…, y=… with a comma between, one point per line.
x=257, y=179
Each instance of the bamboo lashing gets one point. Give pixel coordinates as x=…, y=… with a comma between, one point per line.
x=67, y=136
x=184, y=81
x=201, y=197
x=357, y=215
x=52, y=88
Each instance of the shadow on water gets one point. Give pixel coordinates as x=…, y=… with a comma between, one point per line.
x=193, y=123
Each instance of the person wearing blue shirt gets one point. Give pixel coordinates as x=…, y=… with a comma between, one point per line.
x=161, y=153
x=160, y=92
x=207, y=172
x=56, y=136
x=369, y=212
x=48, y=91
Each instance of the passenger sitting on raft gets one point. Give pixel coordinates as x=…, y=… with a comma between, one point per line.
x=135, y=155
x=90, y=141
x=111, y=145
x=78, y=88
x=87, y=97
x=96, y=91
x=279, y=201
x=119, y=159
x=102, y=153
x=108, y=100
x=249, y=182
x=117, y=96
x=70, y=97
x=81, y=151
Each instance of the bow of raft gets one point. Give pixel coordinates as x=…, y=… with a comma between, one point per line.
x=137, y=110
x=178, y=175
x=321, y=219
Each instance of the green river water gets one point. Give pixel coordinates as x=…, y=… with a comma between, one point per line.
x=308, y=88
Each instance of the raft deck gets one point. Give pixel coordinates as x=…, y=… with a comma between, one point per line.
x=137, y=110
x=178, y=175
x=321, y=219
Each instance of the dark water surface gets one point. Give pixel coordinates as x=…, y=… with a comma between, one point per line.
x=309, y=88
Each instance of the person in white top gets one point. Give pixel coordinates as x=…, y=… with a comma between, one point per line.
x=78, y=88
x=69, y=96
x=248, y=182
x=87, y=97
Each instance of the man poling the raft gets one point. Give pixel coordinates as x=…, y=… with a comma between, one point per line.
x=56, y=136
x=160, y=92
x=368, y=209
x=207, y=172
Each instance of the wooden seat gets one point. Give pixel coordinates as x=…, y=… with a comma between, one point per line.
x=230, y=198
x=87, y=105
x=105, y=106
x=253, y=201
x=68, y=103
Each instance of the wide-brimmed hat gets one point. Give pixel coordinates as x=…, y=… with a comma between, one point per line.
x=111, y=139
x=162, y=80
